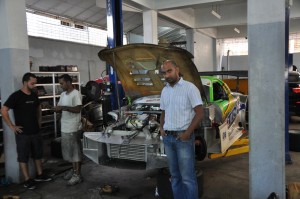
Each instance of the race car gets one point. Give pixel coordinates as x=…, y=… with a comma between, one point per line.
x=134, y=136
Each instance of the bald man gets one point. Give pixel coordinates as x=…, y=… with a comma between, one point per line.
x=182, y=112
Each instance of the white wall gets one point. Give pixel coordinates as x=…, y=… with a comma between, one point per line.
x=296, y=60
x=235, y=62
x=241, y=62
x=133, y=38
x=204, y=49
x=47, y=52
x=204, y=52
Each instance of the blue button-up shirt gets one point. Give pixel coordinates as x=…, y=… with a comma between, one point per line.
x=178, y=103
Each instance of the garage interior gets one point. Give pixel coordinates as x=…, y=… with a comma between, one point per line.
x=208, y=29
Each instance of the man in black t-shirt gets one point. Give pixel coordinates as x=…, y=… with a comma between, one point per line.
x=27, y=112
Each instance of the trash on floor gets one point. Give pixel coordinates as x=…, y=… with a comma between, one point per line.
x=109, y=189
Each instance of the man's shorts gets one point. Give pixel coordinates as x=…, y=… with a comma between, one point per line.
x=71, y=146
x=29, y=145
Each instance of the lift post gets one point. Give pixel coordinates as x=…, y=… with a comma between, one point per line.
x=114, y=38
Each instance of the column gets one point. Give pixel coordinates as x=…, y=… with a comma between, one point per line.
x=150, y=27
x=14, y=62
x=266, y=37
x=190, y=40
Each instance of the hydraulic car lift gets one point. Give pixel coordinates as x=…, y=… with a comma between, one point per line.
x=240, y=146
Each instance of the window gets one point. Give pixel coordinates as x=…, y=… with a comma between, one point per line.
x=294, y=44
x=239, y=46
x=54, y=28
x=64, y=23
x=219, y=92
x=234, y=46
x=79, y=26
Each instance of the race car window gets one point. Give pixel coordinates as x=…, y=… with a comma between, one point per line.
x=219, y=92
x=206, y=91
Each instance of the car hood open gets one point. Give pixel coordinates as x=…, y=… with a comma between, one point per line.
x=138, y=67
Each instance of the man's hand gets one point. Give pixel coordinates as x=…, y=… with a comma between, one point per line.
x=56, y=108
x=184, y=136
x=16, y=129
x=162, y=132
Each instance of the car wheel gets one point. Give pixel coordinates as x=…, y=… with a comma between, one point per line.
x=200, y=148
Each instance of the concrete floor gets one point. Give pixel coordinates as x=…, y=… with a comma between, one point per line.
x=224, y=178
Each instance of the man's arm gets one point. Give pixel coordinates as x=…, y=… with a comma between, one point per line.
x=194, y=124
x=162, y=122
x=75, y=109
x=7, y=120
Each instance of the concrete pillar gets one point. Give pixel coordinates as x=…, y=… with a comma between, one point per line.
x=190, y=40
x=266, y=37
x=14, y=62
x=150, y=27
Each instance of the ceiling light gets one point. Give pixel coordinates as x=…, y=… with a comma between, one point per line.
x=216, y=14
x=236, y=30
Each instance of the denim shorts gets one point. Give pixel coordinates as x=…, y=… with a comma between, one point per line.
x=29, y=146
x=71, y=146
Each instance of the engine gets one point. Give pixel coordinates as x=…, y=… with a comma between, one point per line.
x=138, y=121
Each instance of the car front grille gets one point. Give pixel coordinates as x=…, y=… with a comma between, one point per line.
x=128, y=152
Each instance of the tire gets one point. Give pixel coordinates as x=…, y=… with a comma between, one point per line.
x=201, y=148
x=294, y=140
x=293, y=76
x=164, y=188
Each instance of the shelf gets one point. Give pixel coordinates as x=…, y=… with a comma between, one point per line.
x=52, y=118
x=48, y=96
x=47, y=121
x=50, y=73
x=46, y=126
x=47, y=134
x=56, y=84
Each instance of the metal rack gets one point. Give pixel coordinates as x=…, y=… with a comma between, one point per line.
x=53, y=88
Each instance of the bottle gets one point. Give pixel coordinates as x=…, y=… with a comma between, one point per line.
x=156, y=192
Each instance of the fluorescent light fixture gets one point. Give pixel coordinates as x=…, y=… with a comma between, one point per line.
x=216, y=14
x=236, y=30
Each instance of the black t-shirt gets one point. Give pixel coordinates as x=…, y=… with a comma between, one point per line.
x=25, y=110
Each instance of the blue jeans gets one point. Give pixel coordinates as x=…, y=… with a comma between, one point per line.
x=181, y=160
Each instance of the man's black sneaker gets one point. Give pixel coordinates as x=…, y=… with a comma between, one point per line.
x=29, y=184
x=42, y=178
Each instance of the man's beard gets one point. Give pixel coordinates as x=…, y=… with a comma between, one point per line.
x=171, y=80
x=33, y=90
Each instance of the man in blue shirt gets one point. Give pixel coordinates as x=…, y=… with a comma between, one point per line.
x=182, y=112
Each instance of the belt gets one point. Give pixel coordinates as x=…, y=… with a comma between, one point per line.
x=174, y=133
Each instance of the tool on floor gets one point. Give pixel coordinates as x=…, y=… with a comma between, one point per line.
x=109, y=189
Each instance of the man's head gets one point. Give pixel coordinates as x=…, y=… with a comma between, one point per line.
x=170, y=71
x=65, y=82
x=29, y=81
